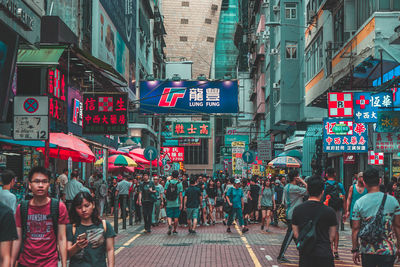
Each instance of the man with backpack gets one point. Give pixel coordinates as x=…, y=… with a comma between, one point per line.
x=314, y=227
x=41, y=226
x=335, y=197
x=173, y=194
x=375, y=217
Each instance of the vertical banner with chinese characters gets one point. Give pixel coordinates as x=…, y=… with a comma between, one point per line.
x=366, y=105
x=388, y=122
x=387, y=142
x=197, y=129
x=237, y=162
x=344, y=135
x=105, y=113
x=57, y=93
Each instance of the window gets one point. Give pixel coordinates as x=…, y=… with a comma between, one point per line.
x=291, y=11
x=214, y=7
x=277, y=96
x=338, y=33
x=314, y=57
x=291, y=50
x=183, y=38
x=210, y=39
x=184, y=21
x=185, y=3
x=197, y=154
x=208, y=21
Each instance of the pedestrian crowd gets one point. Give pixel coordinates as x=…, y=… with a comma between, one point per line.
x=43, y=230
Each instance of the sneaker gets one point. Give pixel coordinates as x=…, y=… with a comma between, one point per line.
x=169, y=230
x=282, y=259
x=262, y=227
x=175, y=232
x=224, y=222
x=336, y=255
x=193, y=232
x=244, y=230
x=228, y=230
x=267, y=231
x=213, y=223
x=190, y=231
x=206, y=224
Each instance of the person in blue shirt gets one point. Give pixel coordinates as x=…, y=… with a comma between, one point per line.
x=235, y=200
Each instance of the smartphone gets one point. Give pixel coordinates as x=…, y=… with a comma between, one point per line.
x=82, y=236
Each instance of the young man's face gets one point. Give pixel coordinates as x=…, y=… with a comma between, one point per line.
x=145, y=177
x=237, y=185
x=155, y=179
x=39, y=185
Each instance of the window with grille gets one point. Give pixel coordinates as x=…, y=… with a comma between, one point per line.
x=197, y=154
x=208, y=21
x=291, y=50
x=210, y=39
x=214, y=7
x=184, y=21
x=291, y=11
x=185, y=3
x=183, y=38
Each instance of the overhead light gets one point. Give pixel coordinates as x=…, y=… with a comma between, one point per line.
x=202, y=77
x=176, y=77
x=150, y=78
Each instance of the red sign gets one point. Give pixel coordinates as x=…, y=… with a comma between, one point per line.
x=56, y=93
x=349, y=158
x=176, y=154
x=340, y=104
x=375, y=158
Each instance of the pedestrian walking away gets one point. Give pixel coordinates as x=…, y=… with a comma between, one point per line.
x=356, y=191
x=314, y=227
x=173, y=194
x=8, y=233
x=193, y=200
x=147, y=197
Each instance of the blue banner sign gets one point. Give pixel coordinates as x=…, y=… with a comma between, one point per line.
x=366, y=105
x=344, y=135
x=388, y=122
x=188, y=97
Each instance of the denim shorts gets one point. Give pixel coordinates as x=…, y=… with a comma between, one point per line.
x=173, y=212
x=192, y=213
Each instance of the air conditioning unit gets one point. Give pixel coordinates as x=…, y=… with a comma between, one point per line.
x=276, y=8
x=274, y=51
x=275, y=85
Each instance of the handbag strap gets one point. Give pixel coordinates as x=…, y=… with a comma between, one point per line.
x=287, y=200
x=380, y=210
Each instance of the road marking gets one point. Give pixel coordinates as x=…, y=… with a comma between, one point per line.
x=249, y=249
x=275, y=266
x=127, y=243
x=268, y=257
x=262, y=248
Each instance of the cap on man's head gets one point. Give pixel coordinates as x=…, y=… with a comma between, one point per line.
x=237, y=181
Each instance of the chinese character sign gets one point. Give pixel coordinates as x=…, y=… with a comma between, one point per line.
x=189, y=97
x=388, y=121
x=387, y=142
x=198, y=129
x=344, y=135
x=105, y=113
x=366, y=105
x=175, y=154
x=56, y=91
x=340, y=104
x=375, y=158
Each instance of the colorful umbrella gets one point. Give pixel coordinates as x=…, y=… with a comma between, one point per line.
x=285, y=162
x=121, y=169
x=118, y=160
x=69, y=146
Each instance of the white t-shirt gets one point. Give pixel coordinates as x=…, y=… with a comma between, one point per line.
x=8, y=199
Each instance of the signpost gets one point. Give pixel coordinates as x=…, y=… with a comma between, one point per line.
x=248, y=157
x=150, y=153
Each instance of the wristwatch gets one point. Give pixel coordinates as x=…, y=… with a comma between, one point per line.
x=354, y=250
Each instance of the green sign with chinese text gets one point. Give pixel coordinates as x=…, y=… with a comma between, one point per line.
x=197, y=129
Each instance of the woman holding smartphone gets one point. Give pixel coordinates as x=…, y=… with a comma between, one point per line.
x=90, y=239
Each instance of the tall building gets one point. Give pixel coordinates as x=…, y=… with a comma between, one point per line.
x=191, y=28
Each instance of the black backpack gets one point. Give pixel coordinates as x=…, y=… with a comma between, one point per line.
x=308, y=235
x=172, y=191
x=333, y=198
x=373, y=230
x=54, y=214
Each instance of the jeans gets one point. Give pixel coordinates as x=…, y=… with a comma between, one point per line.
x=156, y=213
x=315, y=261
x=147, y=214
x=123, y=201
x=239, y=216
x=286, y=241
x=102, y=202
x=371, y=260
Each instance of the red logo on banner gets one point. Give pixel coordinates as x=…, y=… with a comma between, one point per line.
x=340, y=104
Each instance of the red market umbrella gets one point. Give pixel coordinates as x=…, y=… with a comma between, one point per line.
x=69, y=146
x=120, y=169
x=285, y=162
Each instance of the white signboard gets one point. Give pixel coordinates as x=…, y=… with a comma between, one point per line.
x=31, y=105
x=31, y=127
x=264, y=149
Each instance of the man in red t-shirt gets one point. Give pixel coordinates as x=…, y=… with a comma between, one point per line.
x=40, y=244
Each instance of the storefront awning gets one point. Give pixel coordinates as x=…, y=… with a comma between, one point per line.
x=26, y=143
x=43, y=56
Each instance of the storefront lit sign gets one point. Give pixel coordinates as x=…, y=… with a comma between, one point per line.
x=56, y=92
x=354, y=140
x=105, y=113
x=77, y=112
x=14, y=10
x=387, y=142
x=175, y=154
x=198, y=129
x=366, y=105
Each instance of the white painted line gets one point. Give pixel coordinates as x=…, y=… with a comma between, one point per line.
x=275, y=266
x=268, y=257
x=262, y=248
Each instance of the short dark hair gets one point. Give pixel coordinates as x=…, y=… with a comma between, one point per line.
x=175, y=174
x=192, y=181
x=7, y=176
x=371, y=177
x=74, y=174
x=38, y=169
x=330, y=172
x=293, y=174
x=65, y=170
x=315, y=185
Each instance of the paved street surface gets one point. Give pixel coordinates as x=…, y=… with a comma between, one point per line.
x=211, y=246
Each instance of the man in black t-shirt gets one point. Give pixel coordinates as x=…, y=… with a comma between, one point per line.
x=147, y=197
x=8, y=233
x=252, y=199
x=193, y=199
x=321, y=254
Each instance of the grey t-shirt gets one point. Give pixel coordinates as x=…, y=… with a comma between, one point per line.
x=72, y=188
x=292, y=197
x=267, y=195
x=8, y=199
x=123, y=187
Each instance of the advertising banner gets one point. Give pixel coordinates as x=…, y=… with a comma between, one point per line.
x=344, y=135
x=189, y=141
x=189, y=97
x=366, y=105
x=264, y=149
x=388, y=122
x=375, y=158
x=229, y=139
x=386, y=142
x=237, y=162
x=198, y=129
x=174, y=154
x=105, y=113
